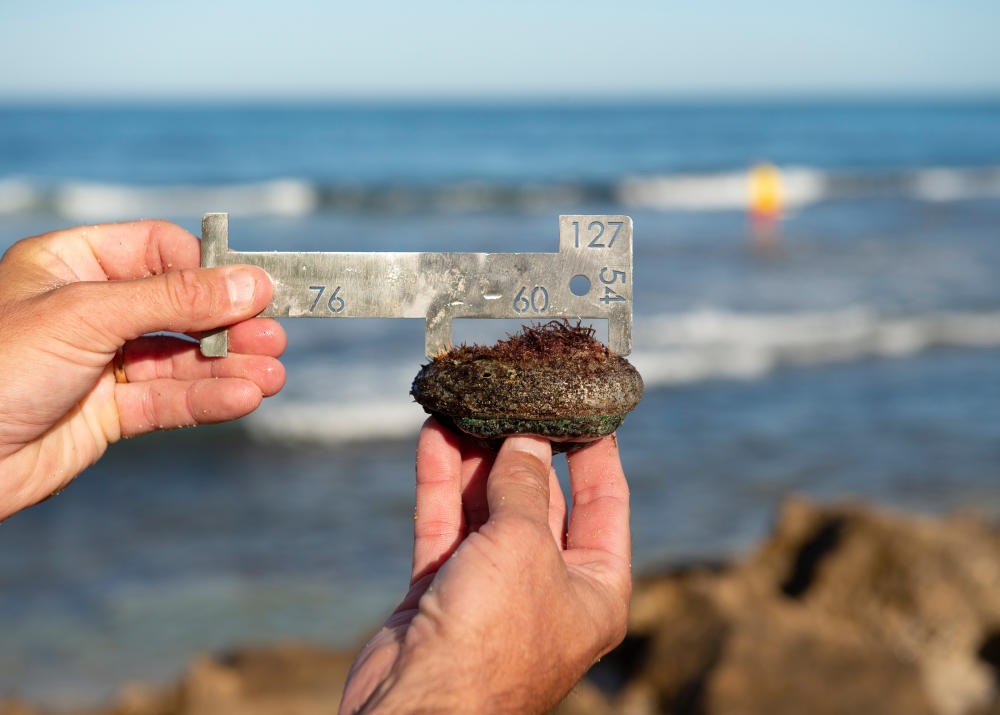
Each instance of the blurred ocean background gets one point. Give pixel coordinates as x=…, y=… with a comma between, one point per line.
x=856, y=355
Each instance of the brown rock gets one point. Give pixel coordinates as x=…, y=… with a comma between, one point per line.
x=14, y=706
x=282, y=679
x=843, y=610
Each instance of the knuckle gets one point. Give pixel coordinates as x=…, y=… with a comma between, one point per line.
x=23, y=253
x=529, y=473
x=19, y=249
x=428, y=528
x=186, y=293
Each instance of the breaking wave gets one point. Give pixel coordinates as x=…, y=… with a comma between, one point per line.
x=721, y=191
x=670, y=350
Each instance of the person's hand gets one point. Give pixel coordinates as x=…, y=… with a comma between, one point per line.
x=508, y=606
x=69, y=300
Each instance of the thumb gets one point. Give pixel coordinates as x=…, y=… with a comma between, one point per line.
x=519, y=480
x=181, y=301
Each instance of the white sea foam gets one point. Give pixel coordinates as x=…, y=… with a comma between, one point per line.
x=942, y=184
x=722, y=191
x=718, y=191
x=17, y=195
x=712, y=344
x=83, y=201
x=369, y=401
x=332, y=422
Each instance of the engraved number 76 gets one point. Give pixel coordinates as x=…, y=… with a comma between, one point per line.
x=335, y=302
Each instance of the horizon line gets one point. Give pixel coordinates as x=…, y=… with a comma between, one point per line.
x=503, y=99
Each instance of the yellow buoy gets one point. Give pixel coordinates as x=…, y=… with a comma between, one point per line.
x=765, y=191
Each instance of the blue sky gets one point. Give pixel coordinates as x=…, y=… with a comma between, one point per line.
x=515, y=48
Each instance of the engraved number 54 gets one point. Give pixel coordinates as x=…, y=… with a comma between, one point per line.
x=609, y=277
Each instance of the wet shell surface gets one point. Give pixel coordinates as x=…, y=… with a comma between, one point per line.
x=554, y=380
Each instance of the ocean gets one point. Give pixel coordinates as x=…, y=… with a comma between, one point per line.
x=855, y=354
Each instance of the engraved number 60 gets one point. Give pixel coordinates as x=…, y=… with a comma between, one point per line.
x=537, y=300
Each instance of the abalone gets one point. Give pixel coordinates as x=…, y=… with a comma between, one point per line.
x=554, y=380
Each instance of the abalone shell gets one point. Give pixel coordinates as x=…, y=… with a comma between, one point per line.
x=554, y=380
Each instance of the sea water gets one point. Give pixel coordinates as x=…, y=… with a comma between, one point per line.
x=854, y=354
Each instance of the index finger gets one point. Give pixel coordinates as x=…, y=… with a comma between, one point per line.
x=447, y=470
x=599, y=519
x=437, y=514
x=118, y=251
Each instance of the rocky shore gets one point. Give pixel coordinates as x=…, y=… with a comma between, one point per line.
x=843, y=609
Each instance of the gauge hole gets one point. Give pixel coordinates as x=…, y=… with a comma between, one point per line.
x=579, y=285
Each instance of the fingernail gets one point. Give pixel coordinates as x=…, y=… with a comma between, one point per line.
x=242, y=285
x=535, y=446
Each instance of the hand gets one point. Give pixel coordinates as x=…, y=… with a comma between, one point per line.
x=508, y=607
x=70, y=299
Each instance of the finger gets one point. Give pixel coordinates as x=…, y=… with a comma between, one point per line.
x=519, y=481
x=600, y=516
x=258, y=336
x=189, y=300
x=168, y=404
x=557, y=510
x=142, y=248
x=160, y=357
x=438, y=525
x=477, y=461
x=116, y=251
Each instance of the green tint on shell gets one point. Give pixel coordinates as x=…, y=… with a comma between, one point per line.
x=554, y=380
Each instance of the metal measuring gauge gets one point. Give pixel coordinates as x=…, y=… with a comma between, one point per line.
x=589, y=277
